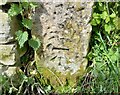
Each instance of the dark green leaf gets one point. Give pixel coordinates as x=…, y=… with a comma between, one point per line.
x=34, y=43
x=27, y=23
x=30, y=80
x=15, y=10
x=25, y=5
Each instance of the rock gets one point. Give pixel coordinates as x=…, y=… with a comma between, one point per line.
x=7, y=46
x=7, y=54
x=3, y=2
x=5, y=32
x=10, y=71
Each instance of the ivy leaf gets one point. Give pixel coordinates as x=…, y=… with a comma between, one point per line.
x=107, y=28
x=22, y=37
x=34, y=43
x=14, y=10
x=27, y=23
x=25, y=5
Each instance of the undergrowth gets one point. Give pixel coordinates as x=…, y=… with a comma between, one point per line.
x=103, y=71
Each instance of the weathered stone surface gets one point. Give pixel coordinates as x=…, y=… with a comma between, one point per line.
x=7, y=54
x=7, y=45
x=65, y=33
x=10, y=71
x=3, y=2
x=5, y=34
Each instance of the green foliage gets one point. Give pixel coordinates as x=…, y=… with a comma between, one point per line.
x=27, y=23
x=107, y=28
x=105, y=16
x=15, y=10
x=22, y=37
x=4, y=82
x=116, y=22
x=26, y=4
x=103, y=76
x=11, y=86
x=34, y=43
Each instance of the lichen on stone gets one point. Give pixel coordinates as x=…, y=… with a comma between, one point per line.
x=65, y=34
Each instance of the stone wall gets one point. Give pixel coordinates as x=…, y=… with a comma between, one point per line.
x=7, y=44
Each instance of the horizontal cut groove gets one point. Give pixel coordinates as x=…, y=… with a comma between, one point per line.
x=57, y=48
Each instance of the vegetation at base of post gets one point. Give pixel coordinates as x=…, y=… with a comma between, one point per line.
x=103, y=71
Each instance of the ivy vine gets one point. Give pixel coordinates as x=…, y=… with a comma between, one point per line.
x=25, y=10
x=28, y=70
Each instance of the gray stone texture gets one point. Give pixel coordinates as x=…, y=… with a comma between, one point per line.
x=7, y=46
x=65, y=32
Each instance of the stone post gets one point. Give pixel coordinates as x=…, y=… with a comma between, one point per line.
x=64, y=30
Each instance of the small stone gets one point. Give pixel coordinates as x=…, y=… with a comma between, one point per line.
x=5, y=35
x=10, y=71
x=7, y=56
